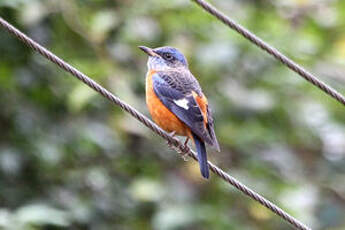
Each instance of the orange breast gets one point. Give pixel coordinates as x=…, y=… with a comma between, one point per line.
x=160, y=114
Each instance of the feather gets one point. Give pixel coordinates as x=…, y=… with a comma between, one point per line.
x=202, y=156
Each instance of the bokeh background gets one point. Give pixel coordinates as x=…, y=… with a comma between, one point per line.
x=69, y=159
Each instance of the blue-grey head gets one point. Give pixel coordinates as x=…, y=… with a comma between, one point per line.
x=164, y=58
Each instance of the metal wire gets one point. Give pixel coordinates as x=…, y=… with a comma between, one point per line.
x=271, y=50
x=174, y=141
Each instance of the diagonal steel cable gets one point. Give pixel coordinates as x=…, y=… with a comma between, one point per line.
x=271, y=50
x=180, y=148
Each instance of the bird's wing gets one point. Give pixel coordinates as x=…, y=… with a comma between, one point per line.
x=210, y=128
x=176, y=91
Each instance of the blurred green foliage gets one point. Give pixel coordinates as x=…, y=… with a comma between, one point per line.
x=69, y=159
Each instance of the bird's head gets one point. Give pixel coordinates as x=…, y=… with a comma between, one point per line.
x=164, y=58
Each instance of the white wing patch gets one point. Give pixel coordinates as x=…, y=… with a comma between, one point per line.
x=182, y=103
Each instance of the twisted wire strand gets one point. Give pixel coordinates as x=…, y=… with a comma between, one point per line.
x=271, y=50
x=180, y=147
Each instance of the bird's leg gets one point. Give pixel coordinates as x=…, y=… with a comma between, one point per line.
x=185, y=144
x=172, y=134
x=184, y=150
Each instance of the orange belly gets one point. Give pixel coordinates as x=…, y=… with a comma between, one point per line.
x=160, y=114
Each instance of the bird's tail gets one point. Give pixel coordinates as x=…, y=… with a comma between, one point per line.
x=202, y=156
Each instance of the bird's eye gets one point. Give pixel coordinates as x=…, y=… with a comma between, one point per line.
x=168, y=56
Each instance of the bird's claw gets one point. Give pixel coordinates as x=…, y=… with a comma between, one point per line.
x=185, y=150
x=185, y=156
x=169, y=143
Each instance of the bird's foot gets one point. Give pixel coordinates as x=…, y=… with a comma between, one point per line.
x=185, y=156
x=185, y=150
x=169, y=143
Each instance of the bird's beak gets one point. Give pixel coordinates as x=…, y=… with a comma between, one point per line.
x=148, y=50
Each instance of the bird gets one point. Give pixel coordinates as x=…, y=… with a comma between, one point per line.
x=176, y=102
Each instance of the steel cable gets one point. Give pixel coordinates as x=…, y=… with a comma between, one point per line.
x=147, y=122
x=271, y=50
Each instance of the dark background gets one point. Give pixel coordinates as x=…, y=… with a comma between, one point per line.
x=69, y=159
